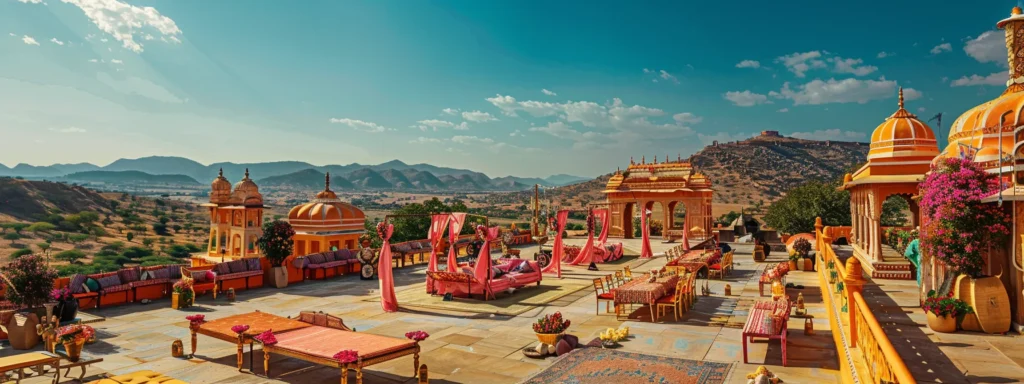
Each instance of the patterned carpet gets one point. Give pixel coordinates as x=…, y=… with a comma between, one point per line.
x=596, y=365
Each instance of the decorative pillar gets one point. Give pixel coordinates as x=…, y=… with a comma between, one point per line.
x=817, y=233
x=854, y=282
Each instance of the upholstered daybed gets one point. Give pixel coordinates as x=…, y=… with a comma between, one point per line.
x=463, y=284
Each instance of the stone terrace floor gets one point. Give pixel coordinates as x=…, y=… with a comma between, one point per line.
x=961, y=357
x=466, y=347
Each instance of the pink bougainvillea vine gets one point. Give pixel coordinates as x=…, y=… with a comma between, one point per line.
x=959, y=225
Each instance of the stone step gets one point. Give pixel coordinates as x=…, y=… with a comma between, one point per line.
x=892, y=275
x=891, y=266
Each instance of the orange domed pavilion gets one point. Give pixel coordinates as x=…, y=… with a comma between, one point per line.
x=236, y=217
x=325, y=223
x=902, y=148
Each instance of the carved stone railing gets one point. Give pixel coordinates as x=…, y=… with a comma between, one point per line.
x=866, y=354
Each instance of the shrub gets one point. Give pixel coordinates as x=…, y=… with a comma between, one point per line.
x=945, y=305
x=276, y=241
x=72, y=256
x=29, y=281
x=20, y=253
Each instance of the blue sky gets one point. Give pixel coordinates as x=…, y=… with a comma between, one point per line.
x=528, y=88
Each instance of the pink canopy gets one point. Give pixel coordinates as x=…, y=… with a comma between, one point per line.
x=434, y=234
x=602, y=214
x=645, y=230
x=454, y=227
x=388, y=301
x=686, y=239
x=483, y=259
x=586, y=255
x=556, y=255
x=593, y=251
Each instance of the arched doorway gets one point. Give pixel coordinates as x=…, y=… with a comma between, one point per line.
x=677, y=216
x=627, y=220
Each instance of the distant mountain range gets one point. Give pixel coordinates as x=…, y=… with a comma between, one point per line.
x=390, y=175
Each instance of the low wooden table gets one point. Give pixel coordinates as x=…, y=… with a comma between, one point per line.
x=84, y=361
x=36, y=361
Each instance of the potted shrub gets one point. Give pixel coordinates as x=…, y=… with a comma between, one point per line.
x=793, y=258
x=959, y=228
x=67, y=305
x=549, y=329
x=276, y=244
x=944, y=311
x=802, y=248
x=74, y=337
x=29, y=281
x=182, y=294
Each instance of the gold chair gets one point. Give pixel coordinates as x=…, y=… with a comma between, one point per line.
x=619, y=279
x=603, y=295
x=609, y=282
x=628, y=274
x=675, y=301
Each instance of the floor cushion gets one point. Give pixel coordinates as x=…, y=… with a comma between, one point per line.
x=140, y=377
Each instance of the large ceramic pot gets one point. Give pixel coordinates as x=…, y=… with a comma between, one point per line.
x=66, y=310
x=944, y=324
x=280, y=277
x=74, y=350
x=549, y=338
x=990, y=301
x=21, y=330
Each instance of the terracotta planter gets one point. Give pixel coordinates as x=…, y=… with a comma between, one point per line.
x=74, y=350
x=549, y=338
x=21, y=331
x=179, y=301
x=990, y=301
x=808, y=265
x=793, y=265
x=280, y=277
x=944, y=324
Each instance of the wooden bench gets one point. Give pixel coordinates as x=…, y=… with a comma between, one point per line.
x=35, y=361
x=756, y=326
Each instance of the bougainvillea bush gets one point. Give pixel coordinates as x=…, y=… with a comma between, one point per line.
x=958, y=224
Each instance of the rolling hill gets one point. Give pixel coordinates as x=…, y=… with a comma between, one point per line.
x=423, y=179
x=368, y=179
x=129, y=177
x=30, y=200
x=397, y=179
x=305, y=179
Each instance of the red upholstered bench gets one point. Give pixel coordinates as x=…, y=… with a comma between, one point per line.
x=757, y=327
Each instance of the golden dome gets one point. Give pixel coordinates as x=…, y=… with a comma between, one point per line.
x=903, y=135
x=327, y=193
x=246, y=192
x=1015, y=11
x=220, y=189
x=325, y=216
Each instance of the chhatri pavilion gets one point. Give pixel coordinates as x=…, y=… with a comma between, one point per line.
x=325, y=223
x=670, y=184
x=236, y=217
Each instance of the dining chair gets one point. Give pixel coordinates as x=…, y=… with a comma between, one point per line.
x=627, y=273
x=603, y=294
x=673, y=301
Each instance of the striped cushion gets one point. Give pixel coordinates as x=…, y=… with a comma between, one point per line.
x=199, y=276
x=109, y=281
x=76, y=283
x=162, y=273
x=116, y=288
x=174, y=271
x=236, y=266
x=344, y=254
x=222, y=269
x=253, y=264
x=316, y=258
x=128, y=275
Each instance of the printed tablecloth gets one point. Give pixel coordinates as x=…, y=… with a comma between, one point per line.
x=639, y=291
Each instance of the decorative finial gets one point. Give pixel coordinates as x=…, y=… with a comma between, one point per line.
x=679, y=157
x=1016, y=11
x=643, y=159
x=247, y=173
x=655, y=159
x=327, y=182
x=631, y=160
x=901, y=97
x=220, y=173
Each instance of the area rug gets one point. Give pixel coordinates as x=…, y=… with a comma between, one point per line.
x=596, y=365
x=524, y=299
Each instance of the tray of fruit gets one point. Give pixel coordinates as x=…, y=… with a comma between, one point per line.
x=612, y=336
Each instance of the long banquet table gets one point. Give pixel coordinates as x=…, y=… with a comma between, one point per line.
x=639, y=291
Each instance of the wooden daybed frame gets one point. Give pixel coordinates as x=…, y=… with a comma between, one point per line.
x=261, y=321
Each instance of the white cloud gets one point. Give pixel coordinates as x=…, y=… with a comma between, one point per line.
x=989, y=47
x=883, y=54
x=29, y=40
x=667, y=76
x=687, y=118
x=944, y=47
x=746, y=98
x=434, y=124
x=998, y=78
x=783, y=110
x=517, y=133
x=507, y=104
x=55, y=41
x=31, y=1
x=472, y=140
x=360, y=125
x=424, y=140
x=104, y=40
x=451, y=111
x=69, y=130
x=722, y=137
x=800, y=63
x=830, y=134
x=921, y=109
x=749, y=64
x=11, y=34
x=851, y=66
x=549, y=93
x=478, y=117
x=116, y=61
x=93, y=61
x=124, y=21
x=842, y=91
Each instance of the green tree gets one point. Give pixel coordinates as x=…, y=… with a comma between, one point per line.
x=796, y=212
x=160, y=229
x=12, y=237
x=894, y=211
x=17, y=227
x=148, y=242
x=20, y=253
x=114, y=204
x=728, y=218
x=76, y=238
x=41, y=227
x=276, y=241
x=44, y=246
x=129, y=236
x=71, y=256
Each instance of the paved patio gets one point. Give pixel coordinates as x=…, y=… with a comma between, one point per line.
x=466, y=347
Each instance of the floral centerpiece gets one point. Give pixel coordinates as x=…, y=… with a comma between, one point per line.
x=194, y=321
x=67, y=306
x=183, y=290
x=550, y=328
x=347, y=356
x=266, y=338
x=943, y=311
x=74, y=337
x=417, y=336
x=240, y=328
x=802, y=247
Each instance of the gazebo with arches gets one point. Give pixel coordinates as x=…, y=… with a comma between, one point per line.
x=672, y=184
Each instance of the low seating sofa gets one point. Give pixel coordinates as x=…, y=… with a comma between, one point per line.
x=318, y=266
x=463, y=284
x=125, y=285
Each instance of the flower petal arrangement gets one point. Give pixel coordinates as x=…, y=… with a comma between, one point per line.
x=240, y=328
x=945, y=306
x=347, y=356
x=75, y=333
x=552, y=323
x=61, y=294
x=266, y=338
x=417, y=335
x=196, y=320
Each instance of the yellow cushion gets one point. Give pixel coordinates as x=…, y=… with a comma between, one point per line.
x=25, y=360
x=140, y=377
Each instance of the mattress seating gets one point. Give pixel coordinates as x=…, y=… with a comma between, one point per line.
x=464, y=284
x=314, y=337
x=775, y=329
x=322, y=265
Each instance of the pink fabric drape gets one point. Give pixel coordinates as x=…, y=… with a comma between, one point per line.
x=556, y=255
x=645, y=230
x=483, y=259
x=686, y=239
x=434, y=235
x=454, y=227
x=388, y=301
x=602, y=214
x=586, y=255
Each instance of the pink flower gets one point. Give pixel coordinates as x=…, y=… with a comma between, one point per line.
x=347, y=356
x=196, y=320
x=241, y=328
x=417, y=335
x=266, y=338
